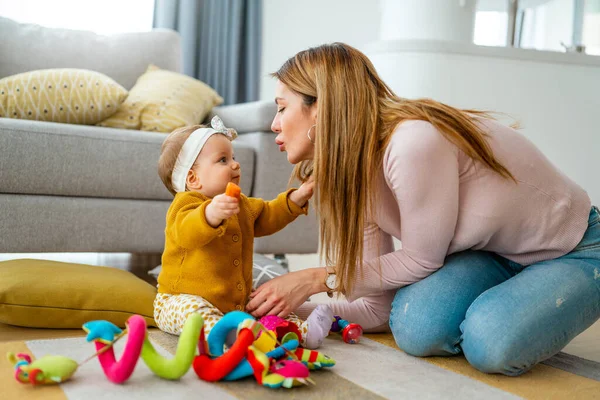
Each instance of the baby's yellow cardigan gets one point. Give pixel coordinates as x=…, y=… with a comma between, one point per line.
x=216, y=263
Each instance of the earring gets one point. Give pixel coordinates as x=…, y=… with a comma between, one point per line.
x=308, y=133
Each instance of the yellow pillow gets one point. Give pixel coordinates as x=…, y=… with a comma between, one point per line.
x=50, y=294
x=73, y=96
x=162, y=101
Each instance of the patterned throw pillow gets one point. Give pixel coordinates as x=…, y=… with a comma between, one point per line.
x=264, y=269
x=162, y=101
x=74, y=96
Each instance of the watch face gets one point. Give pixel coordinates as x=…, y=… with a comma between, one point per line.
x=331, y=281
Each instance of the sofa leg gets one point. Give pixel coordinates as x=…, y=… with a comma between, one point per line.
x=141, y=263
x=282, y=260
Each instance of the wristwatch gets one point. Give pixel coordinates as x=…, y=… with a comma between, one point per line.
x=330, y=281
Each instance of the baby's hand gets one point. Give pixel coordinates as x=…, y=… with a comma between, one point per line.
x=221, y=207
x=304, y=192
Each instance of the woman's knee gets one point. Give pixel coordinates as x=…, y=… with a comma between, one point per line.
x=426, y=315
x=491, y=346
x=418, y=331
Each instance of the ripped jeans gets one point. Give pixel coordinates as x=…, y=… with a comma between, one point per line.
x=504, y=317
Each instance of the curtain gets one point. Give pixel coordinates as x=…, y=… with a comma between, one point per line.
x=221, y=42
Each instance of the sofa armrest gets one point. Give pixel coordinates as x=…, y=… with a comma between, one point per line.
x=255, y=116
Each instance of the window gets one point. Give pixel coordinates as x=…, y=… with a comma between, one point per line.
x=547, y=25
x=104, y=17
x=590, y=33
x=490, y=28
x=491, y=23
x=555, y=25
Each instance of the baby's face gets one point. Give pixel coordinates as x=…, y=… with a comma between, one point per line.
x=216, y=166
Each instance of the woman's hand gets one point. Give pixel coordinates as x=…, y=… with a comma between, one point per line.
x=282, y=295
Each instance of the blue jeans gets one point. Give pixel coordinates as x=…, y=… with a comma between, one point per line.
x=503, y=316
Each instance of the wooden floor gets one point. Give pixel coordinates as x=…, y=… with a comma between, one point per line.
x=586, y=345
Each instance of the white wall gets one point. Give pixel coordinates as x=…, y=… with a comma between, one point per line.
x=428, y=20
x=290, y=26
x=555, y=96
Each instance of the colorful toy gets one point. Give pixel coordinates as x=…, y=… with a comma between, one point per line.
x=314, y=359
x=233, y=190
x=102, y=333
x=217, y=365
x=211, y=364
x=286, y=373
x=281, y=330
x=244, y=369
x=351, y=333
x=47, y=370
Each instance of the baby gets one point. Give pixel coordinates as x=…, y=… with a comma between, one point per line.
x=209, y=236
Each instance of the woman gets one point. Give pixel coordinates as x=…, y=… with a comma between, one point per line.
x=500, y=254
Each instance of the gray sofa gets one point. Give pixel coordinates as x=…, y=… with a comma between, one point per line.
x=75, y=188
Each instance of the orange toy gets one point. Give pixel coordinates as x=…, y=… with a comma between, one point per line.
x=233, y=190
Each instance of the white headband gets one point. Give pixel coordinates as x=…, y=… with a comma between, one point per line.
x=192, y=147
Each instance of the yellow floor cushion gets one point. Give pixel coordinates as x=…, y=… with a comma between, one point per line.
x=51, y=294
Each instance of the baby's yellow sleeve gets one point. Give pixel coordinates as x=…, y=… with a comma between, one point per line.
x=274, y=215
x=186, y=222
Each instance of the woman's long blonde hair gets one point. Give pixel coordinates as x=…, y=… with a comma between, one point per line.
x=357, y=113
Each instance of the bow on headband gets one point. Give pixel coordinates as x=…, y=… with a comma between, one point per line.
x=218, y=125
x=192, y=147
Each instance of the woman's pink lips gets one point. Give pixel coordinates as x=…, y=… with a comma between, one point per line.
x=280, y=144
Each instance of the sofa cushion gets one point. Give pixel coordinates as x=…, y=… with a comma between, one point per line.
x=88, y=161
x=123, y=57
x=76, y=96
x=162, y=101
x=46, y=224
x=51, y=294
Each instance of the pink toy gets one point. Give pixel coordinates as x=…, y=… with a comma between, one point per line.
x=280, y=326
x=120, y=371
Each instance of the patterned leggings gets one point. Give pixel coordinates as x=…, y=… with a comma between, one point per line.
x=171, y=312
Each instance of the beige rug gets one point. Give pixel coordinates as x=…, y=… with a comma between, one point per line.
x=373, y=369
